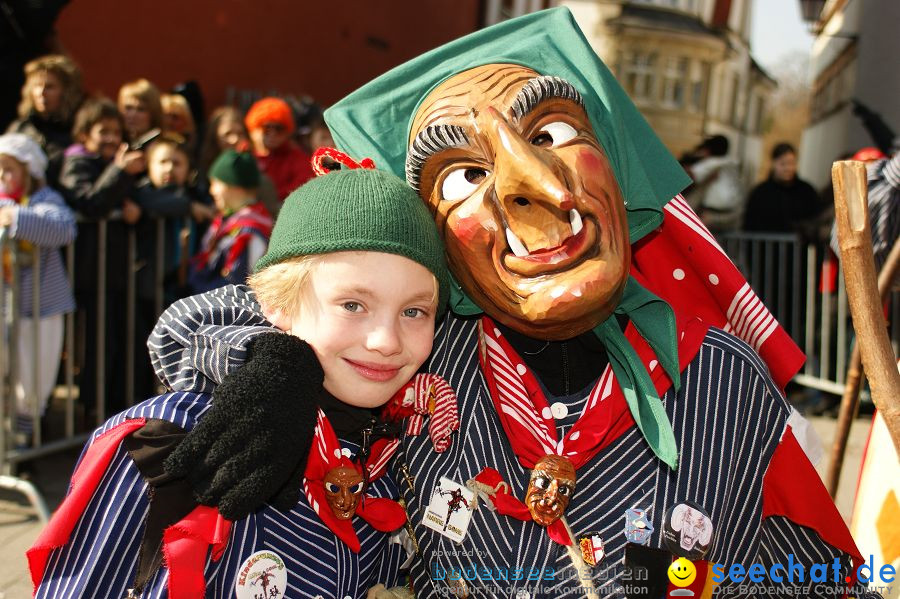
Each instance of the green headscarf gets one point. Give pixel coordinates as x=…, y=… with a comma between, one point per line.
x=370, y=123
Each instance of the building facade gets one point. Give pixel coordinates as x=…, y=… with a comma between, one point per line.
x=853, y=58
x=685, y=63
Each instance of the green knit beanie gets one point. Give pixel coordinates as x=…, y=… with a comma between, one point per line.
x=358, y=210
x=235, y=168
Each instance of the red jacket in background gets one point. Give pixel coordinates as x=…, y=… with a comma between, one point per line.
x=289, y=167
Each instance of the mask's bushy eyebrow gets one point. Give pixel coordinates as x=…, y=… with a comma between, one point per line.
x=427, y=143
x=541, y=89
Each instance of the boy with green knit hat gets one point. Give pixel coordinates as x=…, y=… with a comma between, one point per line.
x=239, y=233
x=355, y=275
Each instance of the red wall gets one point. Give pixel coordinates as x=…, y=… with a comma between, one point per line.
x=322, y=48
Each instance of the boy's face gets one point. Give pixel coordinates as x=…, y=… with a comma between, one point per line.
x=228, y=197
x=104, y=138
x=369, y=316
x=13, y=177
x=167, y=166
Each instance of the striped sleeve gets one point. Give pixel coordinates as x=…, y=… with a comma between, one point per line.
x=101, y=556
x=884, y=208
x=199, y=340
x=784, y=542
x=46, y=221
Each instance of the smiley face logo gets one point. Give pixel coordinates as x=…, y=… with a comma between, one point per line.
x=682, y=572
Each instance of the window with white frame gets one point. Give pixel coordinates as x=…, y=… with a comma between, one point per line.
x=640, y=75
x=674, y=81
x=700, y=73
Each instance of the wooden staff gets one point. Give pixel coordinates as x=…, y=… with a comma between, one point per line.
x=852, y=218
x=854, y=380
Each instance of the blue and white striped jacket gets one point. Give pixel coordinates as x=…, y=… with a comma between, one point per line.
x=48, y=223
x=101, y=558
x=728, y=418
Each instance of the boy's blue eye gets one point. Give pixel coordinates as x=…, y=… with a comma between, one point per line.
x=351, y=306
x=413, y=312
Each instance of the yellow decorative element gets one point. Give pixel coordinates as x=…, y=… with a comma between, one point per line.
x=888, y=526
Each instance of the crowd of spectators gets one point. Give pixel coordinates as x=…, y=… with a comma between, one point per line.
x=142, y=176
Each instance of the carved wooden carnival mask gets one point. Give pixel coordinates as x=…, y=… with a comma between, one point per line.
x=525, y=198
x=550, y=489
x=343, y=489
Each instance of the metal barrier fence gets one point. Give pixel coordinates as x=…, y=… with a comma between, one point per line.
x=805, y=291
x=18, y=444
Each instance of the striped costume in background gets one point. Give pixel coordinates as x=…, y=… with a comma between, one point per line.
x=101, y=558
x=883, y=178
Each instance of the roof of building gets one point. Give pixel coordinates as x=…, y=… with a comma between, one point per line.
x=661, y=18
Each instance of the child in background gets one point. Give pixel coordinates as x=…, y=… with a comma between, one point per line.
x=167, y=194
x=98, y=178
x=177, y=118
x=36, y=217
x=239, y=235
x=270, y=122
x=167, y=206
x=225, y=130
x=356, y=269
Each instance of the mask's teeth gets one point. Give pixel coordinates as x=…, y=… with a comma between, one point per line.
x=515, y=244
x=575, y=221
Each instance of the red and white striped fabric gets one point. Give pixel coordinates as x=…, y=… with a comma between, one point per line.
x=429, y=394
x=527, y=417
x=682, y=263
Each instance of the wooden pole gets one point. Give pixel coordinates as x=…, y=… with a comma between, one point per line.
x=879, y=363
x=854, y=380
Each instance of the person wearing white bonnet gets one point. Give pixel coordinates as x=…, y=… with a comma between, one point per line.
x=38, y=222
x=27, y=151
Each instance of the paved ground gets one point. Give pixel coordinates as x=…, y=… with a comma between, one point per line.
x=18, y=528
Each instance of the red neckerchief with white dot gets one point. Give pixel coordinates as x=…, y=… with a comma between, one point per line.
x=527, y=418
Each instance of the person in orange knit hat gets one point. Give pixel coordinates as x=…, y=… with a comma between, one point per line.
x=271, y=124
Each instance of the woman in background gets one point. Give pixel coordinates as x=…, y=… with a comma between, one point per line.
x=51, y=95
x=783, y=203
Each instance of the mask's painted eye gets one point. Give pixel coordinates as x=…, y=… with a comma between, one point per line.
x=553, y=134
x=565, y=490
x=461, y=182
x=332, y=488
x=541, y=482
x=357, y=488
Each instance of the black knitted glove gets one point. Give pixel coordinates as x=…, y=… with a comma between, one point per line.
x=250, y=448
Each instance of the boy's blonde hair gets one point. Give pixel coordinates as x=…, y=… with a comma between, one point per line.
x=279, y=288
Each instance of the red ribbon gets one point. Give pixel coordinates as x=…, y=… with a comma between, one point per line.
x=335, y=155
